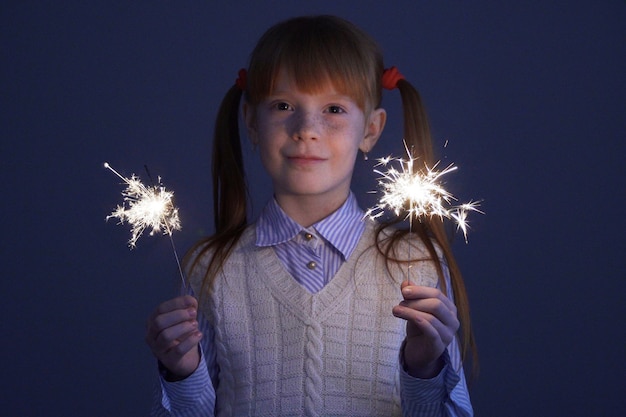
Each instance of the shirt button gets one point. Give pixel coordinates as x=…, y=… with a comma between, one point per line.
x=311, y=265
x=308, y=236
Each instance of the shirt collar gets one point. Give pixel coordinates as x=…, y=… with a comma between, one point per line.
x=342, y=229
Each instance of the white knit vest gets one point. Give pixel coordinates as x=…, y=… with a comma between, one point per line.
x=283, y=351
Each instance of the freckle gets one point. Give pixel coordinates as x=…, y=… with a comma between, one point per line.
x=332, y=126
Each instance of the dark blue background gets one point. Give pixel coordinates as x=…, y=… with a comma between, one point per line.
x=529, y=96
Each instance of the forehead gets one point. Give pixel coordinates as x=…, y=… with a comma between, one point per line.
x=288, y=79
x=285, y=81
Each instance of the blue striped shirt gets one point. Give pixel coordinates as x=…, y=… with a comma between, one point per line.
x=314, y=254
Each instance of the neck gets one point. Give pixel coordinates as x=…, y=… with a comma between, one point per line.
x=308, y=210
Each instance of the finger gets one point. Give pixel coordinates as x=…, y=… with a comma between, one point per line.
x=172, y=336
x=178, y=303
x=172, y=318
x=170, y=313
x=184, y=345
x=414, y=292
x=435, y=307
x=426, y=324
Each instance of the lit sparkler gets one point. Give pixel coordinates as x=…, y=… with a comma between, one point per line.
x=146, y=207
x=418, y=193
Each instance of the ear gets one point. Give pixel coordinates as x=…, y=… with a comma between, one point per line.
x=250, y=119
x=373, y=129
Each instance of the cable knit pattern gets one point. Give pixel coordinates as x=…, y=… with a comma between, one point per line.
x=312, y=367
x=282, y=350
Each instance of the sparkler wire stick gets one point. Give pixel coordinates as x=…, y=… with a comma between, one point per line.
x=408, y=268
x=147, y=207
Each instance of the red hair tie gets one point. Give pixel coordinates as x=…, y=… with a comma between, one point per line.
x=391, y=76
x=242, y=79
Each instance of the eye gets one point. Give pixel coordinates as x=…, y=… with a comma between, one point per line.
x=335, y=109
x=282, y=106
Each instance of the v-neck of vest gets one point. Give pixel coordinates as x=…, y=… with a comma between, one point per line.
x=297, y=298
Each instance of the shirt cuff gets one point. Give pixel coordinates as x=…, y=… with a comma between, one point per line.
x=436, y=390
x=189, y=392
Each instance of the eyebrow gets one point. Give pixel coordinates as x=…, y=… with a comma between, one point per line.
x=331, y=96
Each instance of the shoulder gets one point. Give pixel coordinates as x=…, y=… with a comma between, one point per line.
x=401, y=242
x=199, y=257
x=402, y=251
x=206, y=247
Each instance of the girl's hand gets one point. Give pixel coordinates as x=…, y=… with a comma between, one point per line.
x=431, y=324
x=172, y=334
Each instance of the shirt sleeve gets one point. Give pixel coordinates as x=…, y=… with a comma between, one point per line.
x=444, y=395
x=193, y=396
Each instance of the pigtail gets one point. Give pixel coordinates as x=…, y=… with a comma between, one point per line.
x=416, y=126
x=229, y=187
x=431, y=231
x=230, y=194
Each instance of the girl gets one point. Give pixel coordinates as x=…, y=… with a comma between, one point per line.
x=305, y=311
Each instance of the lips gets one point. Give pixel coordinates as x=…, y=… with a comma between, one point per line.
x=305, y=158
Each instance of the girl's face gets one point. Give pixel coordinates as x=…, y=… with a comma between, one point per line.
x=308, y=142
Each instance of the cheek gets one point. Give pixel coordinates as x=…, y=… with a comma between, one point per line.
x=266, y=151
x=267, y=139
x=268, y=161
x=333, y=126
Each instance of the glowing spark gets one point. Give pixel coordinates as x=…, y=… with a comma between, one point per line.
x=418, y=193
x=145, y=207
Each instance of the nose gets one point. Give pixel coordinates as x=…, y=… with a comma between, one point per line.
x=305, y=126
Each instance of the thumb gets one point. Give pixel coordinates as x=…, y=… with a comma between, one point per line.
x=406, y=283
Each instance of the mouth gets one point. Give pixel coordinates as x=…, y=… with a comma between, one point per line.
x=305, y=159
